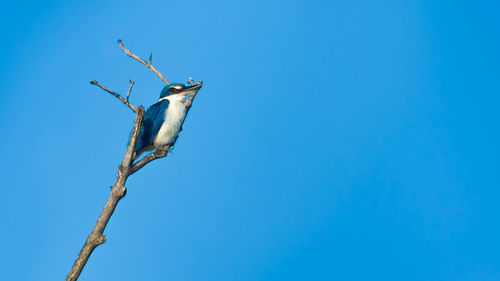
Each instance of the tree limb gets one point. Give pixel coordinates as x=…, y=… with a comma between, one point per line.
x=118, y=191
x=148, y=64
x=130, y=89
x=118, y=96
x=159, y=153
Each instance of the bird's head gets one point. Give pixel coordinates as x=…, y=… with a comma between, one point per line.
x=179, y=90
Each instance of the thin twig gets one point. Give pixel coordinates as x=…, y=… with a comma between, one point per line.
x=130, y=89
x=118, y=96
x=189, y=102
x=160, y=153
x=148, y=64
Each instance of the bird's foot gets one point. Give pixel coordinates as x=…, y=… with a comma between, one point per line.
x=168, y=148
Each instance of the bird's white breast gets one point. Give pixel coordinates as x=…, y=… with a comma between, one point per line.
x=174, y=116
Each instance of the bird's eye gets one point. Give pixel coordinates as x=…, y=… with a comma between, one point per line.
x=171, y=89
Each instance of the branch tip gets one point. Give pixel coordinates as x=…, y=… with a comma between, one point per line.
x=130, y=88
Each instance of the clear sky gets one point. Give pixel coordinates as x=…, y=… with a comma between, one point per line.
x=332, y=140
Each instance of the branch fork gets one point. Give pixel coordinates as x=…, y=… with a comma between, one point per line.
x=126, y=168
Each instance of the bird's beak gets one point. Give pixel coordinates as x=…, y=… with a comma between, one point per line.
x=192, y=89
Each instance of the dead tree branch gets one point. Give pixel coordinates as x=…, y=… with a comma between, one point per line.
x=126, y=168
x=148, y=64
x=118, y=96
x=129, y=89
x=118, y=190
x=189, y=101
x=159, y=153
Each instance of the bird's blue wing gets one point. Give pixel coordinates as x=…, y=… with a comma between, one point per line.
x=153, y=119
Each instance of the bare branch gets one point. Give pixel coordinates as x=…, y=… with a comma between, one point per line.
x=118, y=96
x=130, y=89
x=160, y=153
x=147, y=64
x=189, y=101
x=118, y=191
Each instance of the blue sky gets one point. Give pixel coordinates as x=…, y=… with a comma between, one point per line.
x=332, y=140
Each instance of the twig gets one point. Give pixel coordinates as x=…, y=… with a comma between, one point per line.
x=148, y=64
x=118, y=96
x=160, y=153
x=189, y=101
x=130, y=88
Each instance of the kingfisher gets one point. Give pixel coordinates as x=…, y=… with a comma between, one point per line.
x=163, y=120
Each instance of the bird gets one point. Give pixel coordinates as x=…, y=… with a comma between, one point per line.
x=163, y=120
